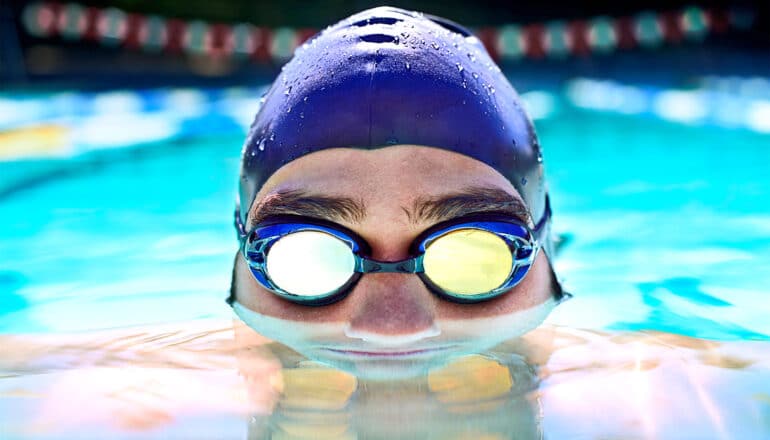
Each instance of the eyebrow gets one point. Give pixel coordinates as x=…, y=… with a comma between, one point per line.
x=472, y=200
x=300, y=203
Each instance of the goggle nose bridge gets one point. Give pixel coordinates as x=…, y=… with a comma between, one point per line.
x=410, y=265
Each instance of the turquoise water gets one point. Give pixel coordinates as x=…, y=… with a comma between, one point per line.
x=670, y=224
x=113, y=279
x=130, y=233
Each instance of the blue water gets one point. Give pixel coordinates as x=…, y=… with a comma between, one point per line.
x=669, y=224
x=667, y=229
x=667, y=244
x=130, y=233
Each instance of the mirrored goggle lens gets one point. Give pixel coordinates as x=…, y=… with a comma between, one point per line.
x=310, y=263
x=468, y=262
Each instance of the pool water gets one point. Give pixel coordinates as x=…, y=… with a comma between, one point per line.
x=113, y=322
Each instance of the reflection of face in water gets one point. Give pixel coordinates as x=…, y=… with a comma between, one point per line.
x=475, y=396
x=391, y=324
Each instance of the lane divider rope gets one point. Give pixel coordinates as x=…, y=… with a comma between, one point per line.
x=112, y=27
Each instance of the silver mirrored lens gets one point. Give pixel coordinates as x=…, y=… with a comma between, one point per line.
x=310, y=263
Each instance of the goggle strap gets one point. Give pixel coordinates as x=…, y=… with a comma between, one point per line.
x=240, y=228
x=540, y=226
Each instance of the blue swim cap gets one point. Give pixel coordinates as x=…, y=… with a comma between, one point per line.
x=386, y=76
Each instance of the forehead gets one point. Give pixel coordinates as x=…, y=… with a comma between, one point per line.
x=396, y=173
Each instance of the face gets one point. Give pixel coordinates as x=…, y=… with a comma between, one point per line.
x=390, y=322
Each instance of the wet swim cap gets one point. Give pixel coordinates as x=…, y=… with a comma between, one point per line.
x=386, y=76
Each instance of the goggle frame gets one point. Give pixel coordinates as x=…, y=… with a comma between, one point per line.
x=523, y=242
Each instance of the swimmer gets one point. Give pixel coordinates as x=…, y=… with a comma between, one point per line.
x=393, y=205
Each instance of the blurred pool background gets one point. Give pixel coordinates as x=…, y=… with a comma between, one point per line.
x=121, y=125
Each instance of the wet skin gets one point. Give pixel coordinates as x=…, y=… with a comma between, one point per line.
x=388, y=312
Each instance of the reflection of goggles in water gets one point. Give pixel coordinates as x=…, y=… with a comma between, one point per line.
x=464, y=260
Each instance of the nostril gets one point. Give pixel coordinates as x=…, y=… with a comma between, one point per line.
x=377, y=20
x=379, y=38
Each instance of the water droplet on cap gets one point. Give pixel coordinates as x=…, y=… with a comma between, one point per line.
x=435, y=45
x=460, y=67
x=524, y=181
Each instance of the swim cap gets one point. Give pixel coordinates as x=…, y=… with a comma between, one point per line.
x=386, y=76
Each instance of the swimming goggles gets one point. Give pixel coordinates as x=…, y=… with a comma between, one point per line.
x=466, y=260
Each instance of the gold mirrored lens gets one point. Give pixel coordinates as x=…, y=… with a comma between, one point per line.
x=468, y=262
x=310, y=263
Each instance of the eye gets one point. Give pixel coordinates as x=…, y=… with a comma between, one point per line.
x=310, y=263
x=468, y=261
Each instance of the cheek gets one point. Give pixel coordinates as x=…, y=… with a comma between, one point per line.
x=253, y=296
x=533, y=290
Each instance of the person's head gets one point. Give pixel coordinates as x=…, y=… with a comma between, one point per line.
x=392, y=137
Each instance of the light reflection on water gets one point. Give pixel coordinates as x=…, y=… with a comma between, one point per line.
x=216, y=379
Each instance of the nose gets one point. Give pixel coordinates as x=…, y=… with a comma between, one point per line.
x=392, y=309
